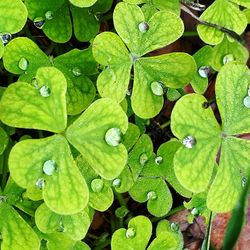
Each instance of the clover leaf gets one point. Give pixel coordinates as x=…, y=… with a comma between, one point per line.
x=96, y=134
x=37, y=162
x=202, y=137
x=75, y=65
x=151, y=74
x=136, y=237
x=225, y=14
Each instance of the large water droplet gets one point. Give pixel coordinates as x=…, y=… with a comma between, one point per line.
x=157, y=88
x=228, y=58
x=23, y=64
x=174, y=227
x=130, y=233
x=143, y=27
x=116, y=183
x=40, y=183
x=113, y=137
x=151, y=195
x=246, y=102
x=97, y=185
x=39, y=22
x=76, y=71
x=49, y=15
x=189, y=141
x=6, y=37
x=44, y=91
x=204, y=71
x=158, y=160
x=195, y=211
x=49, y=167
x=143, y=159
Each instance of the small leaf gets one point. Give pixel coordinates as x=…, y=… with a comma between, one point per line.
x=244, y=3
x=108, y=161
x=75, y=226
x=131, y=136
x=65, y=191
x=225, y=14
x=142, y=228
x=83, y=3
x=37, y=107
x=127, y=19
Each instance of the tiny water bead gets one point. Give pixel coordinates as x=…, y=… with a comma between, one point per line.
x=39, y=22
x=49, y=15
x=23, y=64
x=143, y=27
x=174, y=227
x=243, y=181
x=40, y=183
x=204, y=71
x=151, y=195
x=195, y=211
x=45, y=91
x=228, y=58
x=158, y=160
x=35, y=83
x=130, y=233
x=189, y=141
x=76, y=71
x=113, y=137
x=49, y=167
x=61, y=228
x=97, y=185
x=6, y=37
x=143, y=159
x=116, y=183
x=3, y=198
x=157, y=88
x=246, y=102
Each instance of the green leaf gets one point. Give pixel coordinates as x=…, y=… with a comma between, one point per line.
x=23, y=47
x=244, y=3
x=1, y=51
x=127, y=19
x=16, y=233
x=161, y=201
x=83, y=3
x=13, y=16
x=172, y=70
x=81, y=91
x=228, y=48
x=110, y=51
x=225, y=14
x=131, y=136
x=4, y=139
x=142, y=228
x=101, y=116
x=202, y=57
x=227, y=186
x=194, y=166
x=75, y=226
x=247, y=13
x=22, y=105
x=231, y=89
x=64, y=189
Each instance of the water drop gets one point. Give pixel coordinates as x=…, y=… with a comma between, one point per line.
x=157, y=88
x=189, y=141
x=39, y=22
x=49, y=15
x=44, y=91
x=158, y=160
x=195, y=211
x=6, y=37
x=205, y=105
x=129, y=92
x=23, y=64
x=151, y=195
x=244, y=181
x=61, y=227
x=143, y=159
x=116, y=183
x=246, y=102
x=76, y=71
x=130, y=233
x=113, y=137
x=40, y=183
x=228, y=58
x=143, y=27
x=174, y=227
x=134, y=57
x=204, y=71
x=97, y=185
x=35, y=83
x=49, y=167
x=3, y=198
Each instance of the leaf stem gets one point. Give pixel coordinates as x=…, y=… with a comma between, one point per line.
x=164, y=125
x=120, y=199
